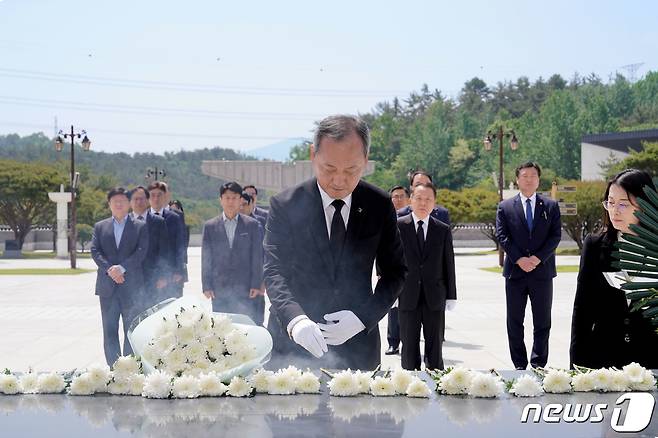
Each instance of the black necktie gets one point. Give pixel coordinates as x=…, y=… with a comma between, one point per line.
x=420, y=235
x=337, y=237
x=140, y=217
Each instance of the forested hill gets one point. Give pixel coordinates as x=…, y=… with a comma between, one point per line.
x=183, y=168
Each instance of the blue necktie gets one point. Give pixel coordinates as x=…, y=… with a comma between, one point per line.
x=528, y=213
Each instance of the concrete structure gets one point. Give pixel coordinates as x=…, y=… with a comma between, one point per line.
x=596, y=149
x=266, y=175
x=62, y=199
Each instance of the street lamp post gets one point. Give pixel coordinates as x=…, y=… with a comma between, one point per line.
x=59, y=146
x=156, y=174
x=500, y=134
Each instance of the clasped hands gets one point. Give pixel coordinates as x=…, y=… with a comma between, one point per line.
x=340, y=327
x=528, y=263
x=116, y=274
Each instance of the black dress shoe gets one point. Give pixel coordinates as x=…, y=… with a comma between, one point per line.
x=520, y=368
x=391, y=351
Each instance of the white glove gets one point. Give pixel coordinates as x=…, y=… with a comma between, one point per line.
x=307, y=334
x=345, y=325
x=450, y=305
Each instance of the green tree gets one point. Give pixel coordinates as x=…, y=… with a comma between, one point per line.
x=588, y=196
x=24, y=199
x=646, y=159
x=85, y=233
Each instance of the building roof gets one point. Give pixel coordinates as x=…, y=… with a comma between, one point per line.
x=622, y=141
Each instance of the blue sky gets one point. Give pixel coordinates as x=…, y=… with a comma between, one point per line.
x=159, y=75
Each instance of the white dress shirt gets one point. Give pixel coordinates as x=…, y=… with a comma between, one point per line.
x=425, y=220
x=533, y=202
x=329, y=209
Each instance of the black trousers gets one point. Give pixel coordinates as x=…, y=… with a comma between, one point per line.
x=120, y=305
x=540, y=293
x=433, y=325
x=393, y=328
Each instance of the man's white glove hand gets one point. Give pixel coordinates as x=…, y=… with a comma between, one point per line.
x=345, y=325
x=307, y=334
x=450, y=305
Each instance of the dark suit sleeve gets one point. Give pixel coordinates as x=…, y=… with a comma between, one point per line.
x=135, y=260
x=206, y=258
x=393, y=269
x=164, y=247
x=97, y=249
x=256, y=255
x=554, y=235
x=179, y=244
x=278, y=269
x=582, y=318
x=449, y=267
x=503, y=234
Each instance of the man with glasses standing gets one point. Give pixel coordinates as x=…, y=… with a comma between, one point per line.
x=529, y=229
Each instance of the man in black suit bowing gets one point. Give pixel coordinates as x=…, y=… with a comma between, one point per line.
x=529, y=229
x=118, y=247
x=321, y=241
x=430, y=287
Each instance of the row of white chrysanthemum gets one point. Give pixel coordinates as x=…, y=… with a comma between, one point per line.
x=126, y=378
x=463, y=381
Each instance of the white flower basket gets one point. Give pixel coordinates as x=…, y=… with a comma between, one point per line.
x=143, y=328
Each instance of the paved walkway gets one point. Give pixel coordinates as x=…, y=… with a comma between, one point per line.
x=53, y=322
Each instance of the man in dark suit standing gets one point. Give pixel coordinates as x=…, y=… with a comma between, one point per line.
x=232, y=257
x=529, y=229
x=157, y=271
x=430, y=287
x=118, y=247
x=438, y=212
x=176, y=229
x=253, y=192
x=321, y=241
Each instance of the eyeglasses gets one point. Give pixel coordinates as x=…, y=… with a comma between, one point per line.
x=621, y=206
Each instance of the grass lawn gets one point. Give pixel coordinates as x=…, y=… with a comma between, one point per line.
x=560, y=269
x=34, y=255
x=38, y=271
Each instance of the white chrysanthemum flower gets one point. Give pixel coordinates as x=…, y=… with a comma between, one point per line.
x=382, y=387
x=293, y=372
x=100, y=375
x=401, y=379
x=602, y=379
x=28, y=383
x=583, y=382
x=557, y=381
x=119, y=386
x=157, y=385
x=363, y=379
x=175, y=358
x=526, y=386
x=136, y=384
x=82, y=385
x=456, y=381
x=221, y=325
x=164, y=343
x=282, y=383
x=151, y=354
x=635, y=372
x=126, y=366
x=648, y=382
x=214, y=346
x=210, y=385
x=308, y=383
x=619, y=381
x=185, y=335
x=195, y=351
x=418, y=388
x=202, y=326
x=235, y=341
x=244, y=354
x=51, y=383
x=219, y=366
x=9, y=384
x=260, y=380
x=344, y=384
x=239, y=387
x=186, y=387
x=485, y=385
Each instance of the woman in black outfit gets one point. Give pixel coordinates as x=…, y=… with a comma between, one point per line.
x=604, y=332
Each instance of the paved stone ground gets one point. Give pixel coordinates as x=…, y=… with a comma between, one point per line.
x=53, y=322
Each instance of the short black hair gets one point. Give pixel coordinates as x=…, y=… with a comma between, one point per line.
x=230, y=186
x=250, y=186
x=413, y=175
x=394, y=188
x=427, y=186
x=158, y=185
x=247, y=197
x=528, y=165
x=117, y=191
x=178, y=204
x=134, y=189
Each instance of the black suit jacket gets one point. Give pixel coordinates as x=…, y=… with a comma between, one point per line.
x=517, y=241
x=604, y=332
x=229, y=271
x=438, y=212
x=156, y=263
x=434, y=268
x=130, y=254
x=177, y=248
x=302, y=278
